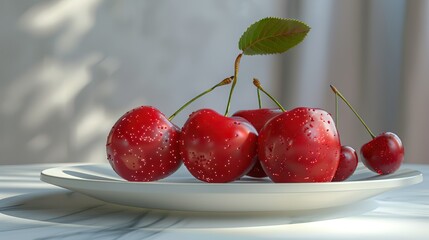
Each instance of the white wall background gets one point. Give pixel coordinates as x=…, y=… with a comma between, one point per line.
x=69, y=69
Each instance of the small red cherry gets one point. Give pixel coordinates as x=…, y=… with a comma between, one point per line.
x=143, y=145
x=347, y=164
x=383, y=154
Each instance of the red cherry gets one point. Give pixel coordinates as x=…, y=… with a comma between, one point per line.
x=301, y=145
x=383, y=154
x=217, y=149
x=143, y=145
x=258, y=118
x=347, y=165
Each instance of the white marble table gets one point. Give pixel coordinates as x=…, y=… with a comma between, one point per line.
x=31, y=209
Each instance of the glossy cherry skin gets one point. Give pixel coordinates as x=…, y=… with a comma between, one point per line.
x=143, y=145
x=258, y=118
x=347, y=165
x=383, y=154
x=217, y=149
x=301, y=145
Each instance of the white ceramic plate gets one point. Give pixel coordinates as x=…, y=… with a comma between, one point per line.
x=182, y=192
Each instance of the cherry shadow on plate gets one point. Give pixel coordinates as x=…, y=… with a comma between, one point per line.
x=67, y=207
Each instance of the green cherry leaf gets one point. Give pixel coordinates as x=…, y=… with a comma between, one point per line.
x=272, y=35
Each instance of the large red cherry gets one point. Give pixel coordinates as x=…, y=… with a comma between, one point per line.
x=383, y=154
x=258, y=118
x=347, y=165
x=217, y=149
x=143, y=145
x=301, y=145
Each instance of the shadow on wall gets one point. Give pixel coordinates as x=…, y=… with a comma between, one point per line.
x=69, y=68
x=48, y=77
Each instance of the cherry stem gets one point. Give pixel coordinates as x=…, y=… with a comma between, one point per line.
x=336, y=110
x=226, y=81
x=258, y=85
x=335, y=90
x=234, y=81
x=259, y=97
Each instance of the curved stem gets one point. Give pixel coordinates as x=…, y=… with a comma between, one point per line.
x=234, y=81
x=259, y=97
x=223, y=82
x=335, y=90
x=258, y=85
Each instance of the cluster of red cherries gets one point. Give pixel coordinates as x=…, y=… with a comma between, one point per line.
x=298, y=145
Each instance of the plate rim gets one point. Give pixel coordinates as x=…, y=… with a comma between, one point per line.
x=255, y=188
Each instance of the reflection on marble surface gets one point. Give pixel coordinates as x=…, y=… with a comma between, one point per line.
x=30, y=209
